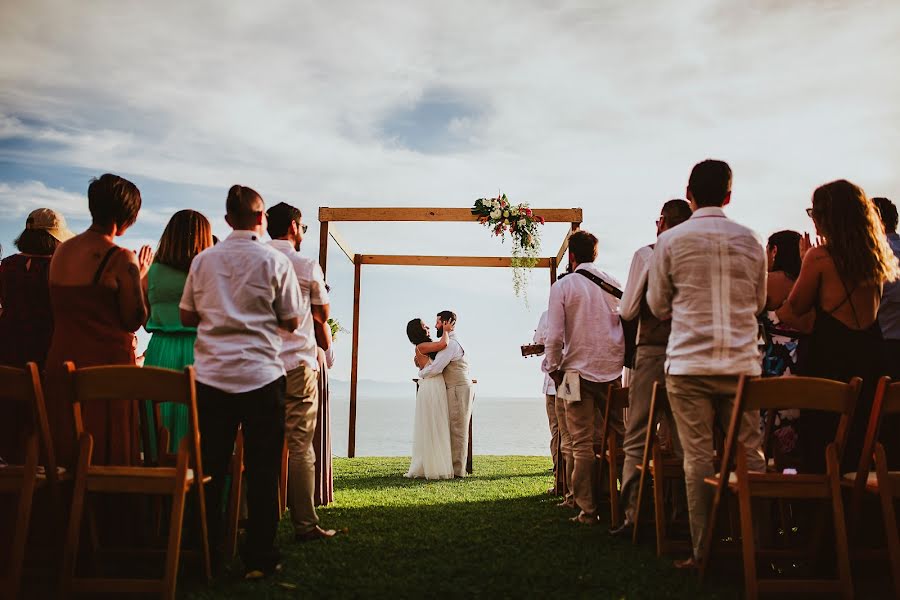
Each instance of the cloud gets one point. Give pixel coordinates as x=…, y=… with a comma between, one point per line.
x=17, y=200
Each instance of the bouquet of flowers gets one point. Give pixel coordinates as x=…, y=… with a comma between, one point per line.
x=335, y=328
x=522, y=225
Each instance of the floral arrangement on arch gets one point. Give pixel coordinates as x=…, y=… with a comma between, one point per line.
x=501, y=218
x=336, y=328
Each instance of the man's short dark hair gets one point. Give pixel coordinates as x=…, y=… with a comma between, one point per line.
x=888, y=212
x=113, y=200
x=280, y=218
x=447, y=315
x=243, y=205
x=710, y=182
x=676, y=212
x=583, y=246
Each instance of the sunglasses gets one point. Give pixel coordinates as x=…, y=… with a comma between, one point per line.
x=304, y=227
x=809, y=212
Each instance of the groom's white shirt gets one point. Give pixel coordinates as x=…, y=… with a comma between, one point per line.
x=453, y=351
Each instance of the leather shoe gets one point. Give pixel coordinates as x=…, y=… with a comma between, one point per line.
x=626, y=529
x=688, y=564
x=315, y=534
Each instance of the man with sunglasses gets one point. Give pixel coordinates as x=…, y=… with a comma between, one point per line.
x=299, y=355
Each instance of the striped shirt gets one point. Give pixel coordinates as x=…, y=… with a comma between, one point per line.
x=709, y=276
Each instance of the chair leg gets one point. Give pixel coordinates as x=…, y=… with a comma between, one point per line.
x=282, y=482
x=659, y=504
x=840, y=525
x=748, y=546
x=889, y=516
x=23, y=518
x=234, y=498
x=638, y=507
x=176, y=519
x=73, y=531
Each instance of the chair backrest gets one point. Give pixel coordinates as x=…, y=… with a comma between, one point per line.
x=887, y=402
x=23, y=387
x=804, y=393
x=131, y=383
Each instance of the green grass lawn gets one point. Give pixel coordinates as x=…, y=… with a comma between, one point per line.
x=495, y=534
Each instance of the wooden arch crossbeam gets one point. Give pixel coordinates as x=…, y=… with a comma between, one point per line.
x=329, y=216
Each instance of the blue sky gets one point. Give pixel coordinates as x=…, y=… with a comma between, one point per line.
x=603, y=105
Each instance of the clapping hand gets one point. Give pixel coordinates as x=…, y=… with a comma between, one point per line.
x=145, y=259
x=806, y=244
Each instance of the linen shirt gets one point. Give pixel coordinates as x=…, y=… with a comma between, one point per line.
x=709, y=276
x=240, y=288
x=540, y=337
x=889, y=313
x=630, y=304
x=453, y=351
x=584, y=333
x=299, y=346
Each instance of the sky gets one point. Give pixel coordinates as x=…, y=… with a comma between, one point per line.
x=602, y=105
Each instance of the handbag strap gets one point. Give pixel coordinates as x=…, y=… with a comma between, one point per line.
x=606, y=287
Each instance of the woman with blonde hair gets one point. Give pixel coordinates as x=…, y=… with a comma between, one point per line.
x=841, y=280
x=171, y=345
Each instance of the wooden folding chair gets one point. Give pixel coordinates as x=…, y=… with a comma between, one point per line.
x=609, y=450
x=804, y=393
x=130, y=384
x=23, y=387
x=663, y=468
x=883, y=484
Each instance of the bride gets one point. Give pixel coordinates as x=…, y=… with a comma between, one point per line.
x=431, y=456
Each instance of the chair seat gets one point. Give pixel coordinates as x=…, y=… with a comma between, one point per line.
x=871, y=481
x=674, y=467
x=778, y=485
x=137, y=480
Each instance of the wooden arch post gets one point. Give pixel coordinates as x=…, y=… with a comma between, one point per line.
x=328, y=216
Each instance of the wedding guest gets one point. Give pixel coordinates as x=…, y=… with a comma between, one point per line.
x=300, y=358
x=97, y=303
x=240, y=294
x=841, y=281
x=889, y=311
x=708, y=275
x=549, y=390
x=171, y=345
x=652, y=337
x=26, y=323
x=782, y=341
x=584, y=353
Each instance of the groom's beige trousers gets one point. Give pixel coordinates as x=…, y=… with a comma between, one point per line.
x=459, y=405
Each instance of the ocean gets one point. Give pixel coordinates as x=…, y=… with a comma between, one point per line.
x=384, y=426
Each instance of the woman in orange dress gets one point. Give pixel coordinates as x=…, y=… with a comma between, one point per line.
x=98, y=304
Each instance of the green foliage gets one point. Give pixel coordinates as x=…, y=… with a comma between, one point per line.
x=495, y=534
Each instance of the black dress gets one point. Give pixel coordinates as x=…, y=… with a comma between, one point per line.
x=835, y=351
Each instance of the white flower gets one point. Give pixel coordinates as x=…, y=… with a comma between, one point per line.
x=514, y=212
x=495, y=214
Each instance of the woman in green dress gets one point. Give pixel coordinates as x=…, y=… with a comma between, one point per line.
x=172, y=344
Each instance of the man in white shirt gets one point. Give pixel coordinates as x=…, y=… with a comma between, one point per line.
x=300, y=358
x=451, y=361
x=649, y=363
x=549, y=390
x=708, y=276
x=240, y=294
x=585, y=345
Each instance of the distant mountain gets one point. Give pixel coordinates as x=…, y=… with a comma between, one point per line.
x=374, y=389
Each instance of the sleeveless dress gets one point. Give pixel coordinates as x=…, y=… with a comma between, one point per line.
x=89, y=332
x=835, y=351
x=26, y=325
x=171, y=344
x=431, y=455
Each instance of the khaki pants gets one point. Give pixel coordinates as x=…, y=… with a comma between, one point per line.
x=301, y=406
x=697, y=401
x=459, y=405
x=649, y=368
x=584, y=421
x=565, y=443
x=554, y=434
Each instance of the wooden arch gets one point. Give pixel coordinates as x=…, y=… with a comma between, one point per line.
x=329, y=216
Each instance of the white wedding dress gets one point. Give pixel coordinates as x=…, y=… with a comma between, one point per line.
x=431, y=456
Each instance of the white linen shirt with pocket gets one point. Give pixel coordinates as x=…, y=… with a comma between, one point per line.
x=240, y=288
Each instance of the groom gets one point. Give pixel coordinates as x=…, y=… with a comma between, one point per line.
x=452, y=362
